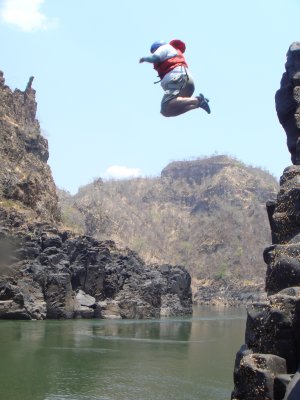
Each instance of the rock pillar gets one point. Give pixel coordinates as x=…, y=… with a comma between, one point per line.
x=268, y=365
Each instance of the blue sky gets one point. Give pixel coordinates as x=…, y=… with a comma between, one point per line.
x=98, y=107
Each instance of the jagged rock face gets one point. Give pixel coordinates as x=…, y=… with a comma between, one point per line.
x=272, y=330
x=287, y=100
x=283, y=257
x=268, y=365
x=49, y=273
x=25, y=176
x=55, y=275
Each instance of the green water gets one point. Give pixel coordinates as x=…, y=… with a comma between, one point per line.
x=169, y=359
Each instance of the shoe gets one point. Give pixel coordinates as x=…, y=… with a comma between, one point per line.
x=203, y=103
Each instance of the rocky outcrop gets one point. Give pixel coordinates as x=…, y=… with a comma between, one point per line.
x=267, y=366
x=196, y=170
x=25, y=177
x=52, y=274
x=288, y=101
x=48, y=272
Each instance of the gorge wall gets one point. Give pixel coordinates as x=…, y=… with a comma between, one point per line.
x=267, y=367
x=47, y=271
x=25, y=177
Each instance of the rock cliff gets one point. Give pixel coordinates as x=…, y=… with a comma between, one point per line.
x=52, y=274
x=288, y=101
x=267, y=366
x=47, y=271
x=25, y=177
x=196, y=171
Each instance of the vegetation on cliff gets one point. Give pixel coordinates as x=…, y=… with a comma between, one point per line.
x=47, y=271
x=26, y=182
x=207, y=214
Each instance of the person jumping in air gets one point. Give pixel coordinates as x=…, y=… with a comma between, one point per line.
x=168, y=60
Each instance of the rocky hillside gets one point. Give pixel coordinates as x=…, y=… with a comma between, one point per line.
x=47, y=271
x=207, y=214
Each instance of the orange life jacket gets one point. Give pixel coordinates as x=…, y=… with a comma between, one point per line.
x=166, y=66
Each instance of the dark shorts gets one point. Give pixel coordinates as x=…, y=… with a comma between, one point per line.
x=179, y=86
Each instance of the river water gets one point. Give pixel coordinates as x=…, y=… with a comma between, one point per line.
x=170, y=359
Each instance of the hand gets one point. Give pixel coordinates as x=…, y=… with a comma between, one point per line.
x=141, y=60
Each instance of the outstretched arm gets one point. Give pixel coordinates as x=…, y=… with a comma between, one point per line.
x=151, y=59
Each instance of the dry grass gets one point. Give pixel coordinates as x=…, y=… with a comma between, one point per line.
x=214, y=222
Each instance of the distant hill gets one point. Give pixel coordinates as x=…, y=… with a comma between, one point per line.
x=207, y=214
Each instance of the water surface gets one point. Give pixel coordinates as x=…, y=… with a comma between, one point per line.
x=169, y=359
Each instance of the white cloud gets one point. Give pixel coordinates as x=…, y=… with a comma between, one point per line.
x=119, y=172
x=25, y=14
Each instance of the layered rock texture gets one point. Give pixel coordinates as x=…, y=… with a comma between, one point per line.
x=47, y=271
x=267, y=366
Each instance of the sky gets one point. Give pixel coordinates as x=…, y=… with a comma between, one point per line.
x=98, y=107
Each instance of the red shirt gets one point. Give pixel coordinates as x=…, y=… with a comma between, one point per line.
x=166, y=66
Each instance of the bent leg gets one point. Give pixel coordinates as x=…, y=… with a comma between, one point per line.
x=178, y=106
x=177, y=99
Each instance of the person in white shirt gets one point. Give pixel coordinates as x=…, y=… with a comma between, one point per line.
x=177, y=82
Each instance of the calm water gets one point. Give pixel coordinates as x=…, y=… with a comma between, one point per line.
x=170, y=359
